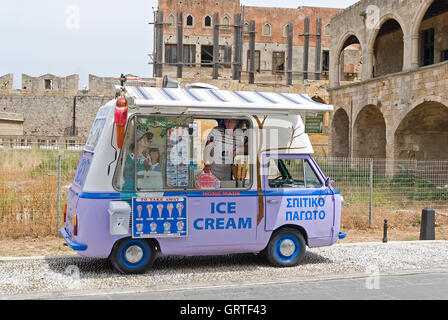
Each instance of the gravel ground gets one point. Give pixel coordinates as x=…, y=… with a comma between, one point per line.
x=74, y=273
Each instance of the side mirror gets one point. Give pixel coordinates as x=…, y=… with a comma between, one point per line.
x=328, y=182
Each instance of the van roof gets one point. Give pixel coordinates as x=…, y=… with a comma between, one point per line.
x=222, y=101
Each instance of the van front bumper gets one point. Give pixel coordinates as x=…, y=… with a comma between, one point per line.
x=72, y=244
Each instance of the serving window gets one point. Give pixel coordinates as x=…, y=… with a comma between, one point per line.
x=180, y=152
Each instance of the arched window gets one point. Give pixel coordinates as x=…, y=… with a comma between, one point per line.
x=226, y=21
x=246, y=27
x=207, y=21
x=189, y=22
x=388, y=49
x=171, y=20
x=267, y=29
x=285, y=31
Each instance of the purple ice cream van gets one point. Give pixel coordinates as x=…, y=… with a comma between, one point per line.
x=176, y=171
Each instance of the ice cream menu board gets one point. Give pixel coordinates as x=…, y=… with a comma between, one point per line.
x=159, y=217
x=178, y=157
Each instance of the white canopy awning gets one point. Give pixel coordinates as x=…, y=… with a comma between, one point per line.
x=222, y=101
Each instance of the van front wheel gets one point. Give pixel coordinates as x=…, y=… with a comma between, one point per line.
x=132, y=256
x=286, y=248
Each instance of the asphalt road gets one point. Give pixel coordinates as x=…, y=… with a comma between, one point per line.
x=427, y=286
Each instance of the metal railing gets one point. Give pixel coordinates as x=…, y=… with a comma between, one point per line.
x=34, y=185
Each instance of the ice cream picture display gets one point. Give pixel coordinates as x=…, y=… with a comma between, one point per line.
x=159, y=217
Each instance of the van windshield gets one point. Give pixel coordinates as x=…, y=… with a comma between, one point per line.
x=292, y=173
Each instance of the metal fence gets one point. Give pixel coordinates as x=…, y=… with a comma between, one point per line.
x=34, y=185
x=397, y=190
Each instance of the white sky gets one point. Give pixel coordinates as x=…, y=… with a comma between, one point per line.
x=101, y=37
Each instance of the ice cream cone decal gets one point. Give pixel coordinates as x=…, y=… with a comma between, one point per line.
x=180, y=207
x=153, y=227
x=180, y=225
x=149, y=208
x=166, y=227
x=160, y=208
x=170, y=208
x=139, y=209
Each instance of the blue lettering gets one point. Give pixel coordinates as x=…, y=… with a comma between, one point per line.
x=321, y=202
x=209, y=224
x=231, y=224
x=212, y=210
x=289, y=205
x=296, y=215
x=218, y=208
x=231, y=208
x=322, y=215
x=296, y=203
x=308, y=216
x=219, y=223
x=288, y=215
x=196, y=226
x=244, y=224
x=314, y=202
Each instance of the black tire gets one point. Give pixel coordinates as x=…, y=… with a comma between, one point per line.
x=292, y=252
x=141, y=250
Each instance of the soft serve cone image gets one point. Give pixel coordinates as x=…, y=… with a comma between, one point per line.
x=139, y=209
x=166, y=227
x=170, y=208
x=153, y=227
x=180, y=225
x=149, y=208
x=139, y=227
x=160, y=208
x=180, y=207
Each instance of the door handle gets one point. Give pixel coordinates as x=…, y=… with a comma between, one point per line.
x=272, y=201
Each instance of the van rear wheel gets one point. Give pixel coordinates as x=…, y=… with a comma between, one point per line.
x=132, y=256
x=286, y=248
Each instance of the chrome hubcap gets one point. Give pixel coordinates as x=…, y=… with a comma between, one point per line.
x=134, y=254
x=287, y=248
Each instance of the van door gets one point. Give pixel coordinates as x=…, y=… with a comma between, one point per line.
x=295, y=194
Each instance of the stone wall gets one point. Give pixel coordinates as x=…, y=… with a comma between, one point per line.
x=399, y=109
x=394, y=97
x=63, y=111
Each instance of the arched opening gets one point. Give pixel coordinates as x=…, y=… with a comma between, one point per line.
x=369, y=134
x=207, y=21
x=171, y=20
x=189, y=22
x=339, y=135
x=350, y=60
x=388, y=49
x=226, y=21
x=433, y=33
x=423, y=133
x=267, y=29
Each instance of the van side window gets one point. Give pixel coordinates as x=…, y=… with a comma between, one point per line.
x=292, y=173
x=221, y=154
x=155, y=155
